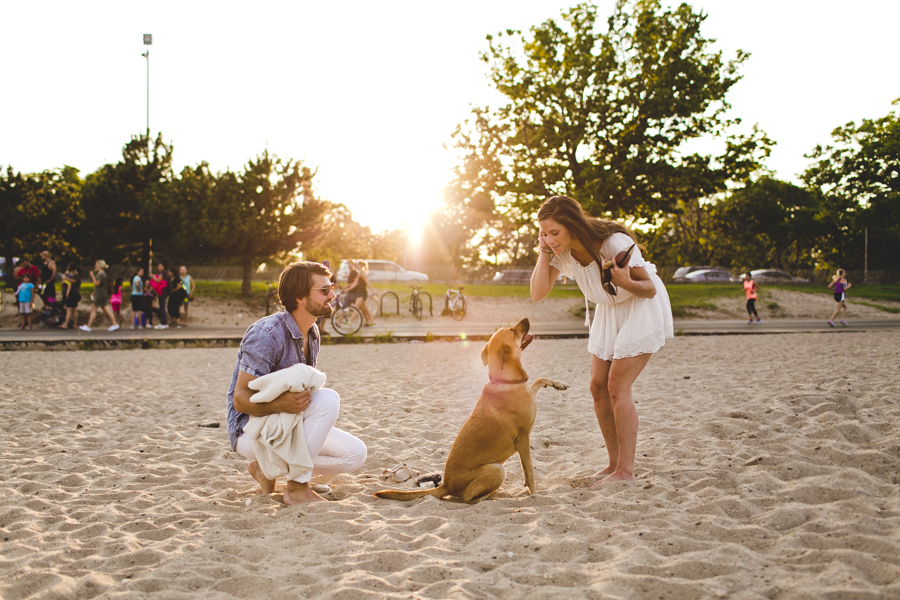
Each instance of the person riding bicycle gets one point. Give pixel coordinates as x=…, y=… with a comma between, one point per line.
x=357, y=290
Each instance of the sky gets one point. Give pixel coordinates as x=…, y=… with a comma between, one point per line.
x=369, y=93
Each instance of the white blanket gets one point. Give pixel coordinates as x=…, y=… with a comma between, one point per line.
x=279, y=441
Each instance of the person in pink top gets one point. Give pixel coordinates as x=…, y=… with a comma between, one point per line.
x=750, y=289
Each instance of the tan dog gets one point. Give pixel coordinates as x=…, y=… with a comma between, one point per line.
x=499, y=426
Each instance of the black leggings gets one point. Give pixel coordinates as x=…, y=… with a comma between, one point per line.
x=751, y=306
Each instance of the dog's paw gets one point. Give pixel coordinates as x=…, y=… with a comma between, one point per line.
x=559, y=385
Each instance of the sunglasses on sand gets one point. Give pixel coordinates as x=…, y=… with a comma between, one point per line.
x=606, y=274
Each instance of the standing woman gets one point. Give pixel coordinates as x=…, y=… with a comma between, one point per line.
x=188, y=283
x=839, y=284
x=71, y=295
x=632, y=316
x=48, y=275
x=100, y=297
x=750, y=289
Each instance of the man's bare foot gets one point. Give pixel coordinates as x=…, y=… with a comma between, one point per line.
x=267, y=485
x=300, y=493
x=616, y=476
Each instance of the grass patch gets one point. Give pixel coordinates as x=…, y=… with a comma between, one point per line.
x=890, y=293
x=890, y=309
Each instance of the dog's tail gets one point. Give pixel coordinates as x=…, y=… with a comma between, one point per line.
x=438, y=492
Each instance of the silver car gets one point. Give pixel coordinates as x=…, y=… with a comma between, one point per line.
x=711, y=276
x=381, y=271
x=773, y=276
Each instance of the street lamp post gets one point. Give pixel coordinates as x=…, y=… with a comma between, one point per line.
x=148, y=41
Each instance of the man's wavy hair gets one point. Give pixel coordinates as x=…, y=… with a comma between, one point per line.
x=590, y=231
x=295, y=282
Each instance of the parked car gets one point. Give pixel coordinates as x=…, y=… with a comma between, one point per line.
x=681, y=272
x=681, y=275
x=381, y=271
x=771, y=276
x=711, y=276
x=520, y=276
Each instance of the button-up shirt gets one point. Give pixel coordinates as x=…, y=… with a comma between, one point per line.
x=271, y=344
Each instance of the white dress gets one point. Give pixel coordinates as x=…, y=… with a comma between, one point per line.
x=624, y=325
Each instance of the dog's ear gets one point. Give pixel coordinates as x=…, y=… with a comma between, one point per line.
x=485, y=354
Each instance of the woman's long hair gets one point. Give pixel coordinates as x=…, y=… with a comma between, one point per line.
x=840, y=273
x=589, y=231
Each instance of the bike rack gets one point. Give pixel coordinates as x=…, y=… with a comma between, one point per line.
x=430, y=307
x=396, y=302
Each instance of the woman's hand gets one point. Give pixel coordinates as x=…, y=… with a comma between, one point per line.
x=543, y=246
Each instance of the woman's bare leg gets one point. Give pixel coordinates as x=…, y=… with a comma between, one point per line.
x=621, y=375
x=604, y=412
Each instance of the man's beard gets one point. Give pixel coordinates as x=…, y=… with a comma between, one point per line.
x=318, y=310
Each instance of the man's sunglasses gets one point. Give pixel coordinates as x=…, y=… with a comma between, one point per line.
x=325, y=290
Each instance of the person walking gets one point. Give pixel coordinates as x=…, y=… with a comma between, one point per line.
x=100, y=297
x=279, y=341
x=71, y=295
x=632, y=315
x=839, y=285
x=750, y=289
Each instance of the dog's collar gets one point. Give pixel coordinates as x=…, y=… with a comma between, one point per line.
x=523, y=380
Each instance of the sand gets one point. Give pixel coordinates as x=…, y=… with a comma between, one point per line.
x=767, y=468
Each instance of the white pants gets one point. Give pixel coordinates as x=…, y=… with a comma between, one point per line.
x=333, y=451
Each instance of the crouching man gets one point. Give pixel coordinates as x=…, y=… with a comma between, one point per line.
x=280, y=341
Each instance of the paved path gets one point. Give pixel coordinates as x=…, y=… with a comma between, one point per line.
x=407, y=329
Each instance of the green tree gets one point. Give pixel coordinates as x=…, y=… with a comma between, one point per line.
x=604, y=117
x=265, y=212
x=769, y=224
x=859, y=178
x=119, y=200
x=38, y=212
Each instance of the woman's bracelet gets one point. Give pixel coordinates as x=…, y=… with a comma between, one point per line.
x=545, y=250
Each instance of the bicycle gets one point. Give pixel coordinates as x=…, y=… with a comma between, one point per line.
x=345, y=319
x=454, y=303
x=417, y=302
x=265, y=303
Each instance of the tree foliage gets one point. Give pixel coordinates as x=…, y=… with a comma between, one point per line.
x=39, y=211
x=602, y=116
x=120, y=204
x=859, y=177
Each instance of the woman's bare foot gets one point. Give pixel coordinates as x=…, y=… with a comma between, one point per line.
x=615, y=476
x=300, y=493
x=267, y=485
x=607, y=471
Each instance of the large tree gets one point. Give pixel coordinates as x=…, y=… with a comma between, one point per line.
x=264, y=212
x=118, y=202
x=859, y=177
x=604, y=116
x=38, y=211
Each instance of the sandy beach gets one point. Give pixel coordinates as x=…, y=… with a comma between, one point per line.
x=767, y=468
